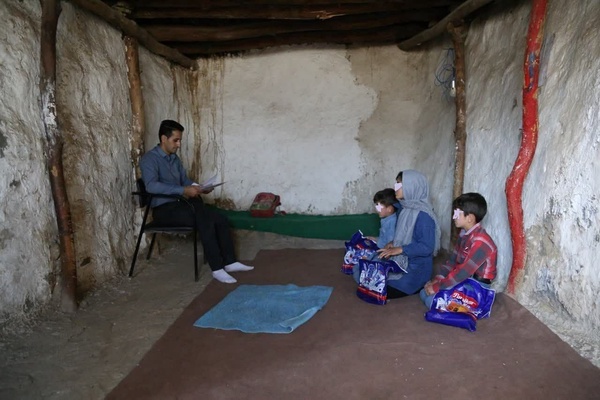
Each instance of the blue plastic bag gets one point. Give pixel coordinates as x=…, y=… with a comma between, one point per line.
x=462, y=305
x=372, y=285
x=357, y=248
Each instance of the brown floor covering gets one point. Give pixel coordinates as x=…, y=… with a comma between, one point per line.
x=354, y=350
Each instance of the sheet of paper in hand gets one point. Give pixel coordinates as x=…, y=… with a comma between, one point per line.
x=358, y=247
x=462, y=305
x=210, y=183
x=372, y=286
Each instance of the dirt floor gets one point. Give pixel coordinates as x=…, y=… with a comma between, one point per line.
x=84, y=355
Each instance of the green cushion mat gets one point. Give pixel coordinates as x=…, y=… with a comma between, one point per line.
x=337, y=227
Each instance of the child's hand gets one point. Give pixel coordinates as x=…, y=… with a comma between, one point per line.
x=388, y=252
x=429, y=289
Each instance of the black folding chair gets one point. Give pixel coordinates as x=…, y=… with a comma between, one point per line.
x=145, y=200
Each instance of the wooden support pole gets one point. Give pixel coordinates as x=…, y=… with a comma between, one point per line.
x=458, y=34
x=516, y=179
x=138, y=121
x=458, y=14
x=130, y=28
x=54, y=151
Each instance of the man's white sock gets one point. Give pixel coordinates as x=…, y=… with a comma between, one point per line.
x=222, y=276
x=238, y=266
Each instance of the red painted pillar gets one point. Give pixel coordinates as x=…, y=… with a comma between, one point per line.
x=514, y=183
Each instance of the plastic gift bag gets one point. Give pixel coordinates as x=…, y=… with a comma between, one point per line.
x=462, y=305
x=357, y=248
x=372, y=286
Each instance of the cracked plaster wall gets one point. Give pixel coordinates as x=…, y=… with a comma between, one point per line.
x=28, y=233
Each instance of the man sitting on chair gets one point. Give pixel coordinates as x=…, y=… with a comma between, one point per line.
x=163, y=173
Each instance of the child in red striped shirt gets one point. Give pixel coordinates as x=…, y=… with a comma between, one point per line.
x=475, y=253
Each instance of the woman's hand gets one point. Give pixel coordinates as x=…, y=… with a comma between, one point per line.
x=388, y=252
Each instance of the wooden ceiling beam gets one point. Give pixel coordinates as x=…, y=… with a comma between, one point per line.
x=168, y=33
x=209, y=4
x=130, y=28
x=310, y=12
x=379, y=36
x=458, y=14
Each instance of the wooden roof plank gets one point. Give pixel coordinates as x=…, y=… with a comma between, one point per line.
x=378, y=36
x=191, y=33
x=208, y=4
x=309, y=12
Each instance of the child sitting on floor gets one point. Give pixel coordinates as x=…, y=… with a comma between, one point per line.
x=384, y=204
x=365, y=247
x=475, y=253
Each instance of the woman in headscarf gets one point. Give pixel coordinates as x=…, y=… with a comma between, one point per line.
x=417, y=236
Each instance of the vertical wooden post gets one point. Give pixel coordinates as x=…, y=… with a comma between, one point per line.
x=54, y=151
x=138, y=122
x=458, y=34
x=516, y=179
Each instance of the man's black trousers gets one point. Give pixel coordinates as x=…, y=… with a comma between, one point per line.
x=213, y=229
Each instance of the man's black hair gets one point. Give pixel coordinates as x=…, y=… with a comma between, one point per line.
x=385, y=197
x=167, y=127
x=471, y=203
x=399, y=177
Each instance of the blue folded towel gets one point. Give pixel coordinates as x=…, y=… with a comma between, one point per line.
x=266, y=308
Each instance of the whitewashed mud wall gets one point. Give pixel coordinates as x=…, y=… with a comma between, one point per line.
x=323, y=127
x=562, y=276
x=27, y=225
x=169, y=93
x=412, y=127
x=95, y=119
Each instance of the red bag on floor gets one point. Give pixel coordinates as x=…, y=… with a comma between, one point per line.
x=264, y=205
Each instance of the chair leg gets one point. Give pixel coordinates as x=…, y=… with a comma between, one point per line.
x=135, y=254
x=151, y=246
x=195, y=257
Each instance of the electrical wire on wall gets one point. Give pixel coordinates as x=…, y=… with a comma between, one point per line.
x=445, y=75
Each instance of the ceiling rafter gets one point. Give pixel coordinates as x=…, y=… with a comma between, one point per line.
x=180, y=29
x=198, y=33
x=377, y=36
x=285, y=12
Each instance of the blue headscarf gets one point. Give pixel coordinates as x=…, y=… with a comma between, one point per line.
x=416, y=200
